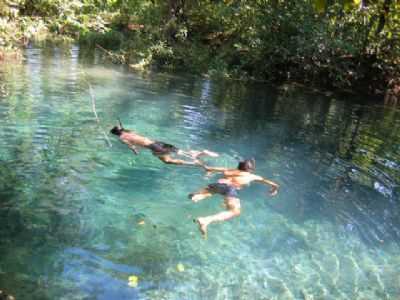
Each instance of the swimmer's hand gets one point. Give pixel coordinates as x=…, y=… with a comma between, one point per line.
x=205, y=167
x=209, y=171
x=274, y=186
x=274, y=190
x=208, y=174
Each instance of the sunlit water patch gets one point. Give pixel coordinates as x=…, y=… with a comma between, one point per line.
x=82, y=220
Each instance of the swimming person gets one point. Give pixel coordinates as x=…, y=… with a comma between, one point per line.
x=232, y=181
x=161, y=150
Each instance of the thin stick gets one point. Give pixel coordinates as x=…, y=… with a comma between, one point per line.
x=93, y=100
x=105, y=50
x=121, y=60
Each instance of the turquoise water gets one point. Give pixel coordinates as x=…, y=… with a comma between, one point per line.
x=78, y=218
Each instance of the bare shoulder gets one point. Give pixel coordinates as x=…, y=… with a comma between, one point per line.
x=255, y=177
x=232, y=172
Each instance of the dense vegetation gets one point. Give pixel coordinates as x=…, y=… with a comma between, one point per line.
x=347, y=44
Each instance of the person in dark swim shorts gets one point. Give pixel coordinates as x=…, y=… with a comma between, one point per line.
x=232, y=181
x=160, y=148
x=163, y=151
x=222, y=189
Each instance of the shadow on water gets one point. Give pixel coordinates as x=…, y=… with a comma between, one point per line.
x=78, y=218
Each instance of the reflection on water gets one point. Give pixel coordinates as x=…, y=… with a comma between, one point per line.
x=78, y=217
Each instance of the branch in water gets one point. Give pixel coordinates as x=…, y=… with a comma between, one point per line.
x=113, y=56
x=93, y=100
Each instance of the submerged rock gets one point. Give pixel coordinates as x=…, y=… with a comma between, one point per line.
x=5, y=296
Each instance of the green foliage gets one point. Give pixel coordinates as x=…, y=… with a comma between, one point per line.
x=335, y=43
x=22, y=21
x=344, y=44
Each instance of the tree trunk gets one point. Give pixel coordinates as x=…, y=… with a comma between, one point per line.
x=383, y=16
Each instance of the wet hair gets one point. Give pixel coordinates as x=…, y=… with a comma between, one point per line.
x=116, y=130
x=247, y=165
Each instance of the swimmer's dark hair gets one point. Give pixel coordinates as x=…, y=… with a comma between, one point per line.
x=117, y=130
x=247, y=165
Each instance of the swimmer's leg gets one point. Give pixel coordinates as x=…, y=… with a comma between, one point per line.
x=169, y=160
x=196, y=154
x=200, y=195
x=207, y=153
x=233, y=210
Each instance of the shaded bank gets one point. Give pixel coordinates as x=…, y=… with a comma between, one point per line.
x=318, y=43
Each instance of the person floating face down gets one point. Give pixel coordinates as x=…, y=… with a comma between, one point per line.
x=163, y=151
x=227, y=186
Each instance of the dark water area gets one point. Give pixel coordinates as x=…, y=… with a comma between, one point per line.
x=78, y=219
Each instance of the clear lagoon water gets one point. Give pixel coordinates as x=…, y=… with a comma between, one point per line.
x=78, y=218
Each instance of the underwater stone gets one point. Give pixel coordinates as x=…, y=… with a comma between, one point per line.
x=5, y=296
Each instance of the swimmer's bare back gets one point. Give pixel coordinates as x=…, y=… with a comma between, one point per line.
x=163, y=151
x=240, y=178
x=227, y=186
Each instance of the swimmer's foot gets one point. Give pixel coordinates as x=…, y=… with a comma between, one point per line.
x=202, y=226
x=209, y=153
x=195, y=197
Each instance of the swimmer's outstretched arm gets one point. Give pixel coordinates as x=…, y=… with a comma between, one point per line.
x=130, y=146
x=274, y=186
x=214, y=169
x=226, y=171
x=133, y=148
x=169, y=160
